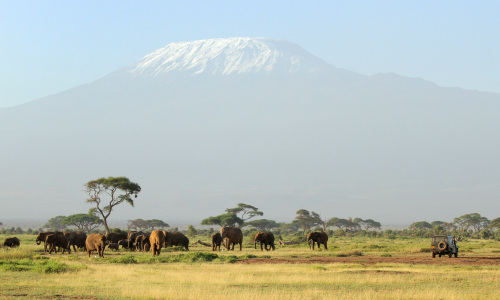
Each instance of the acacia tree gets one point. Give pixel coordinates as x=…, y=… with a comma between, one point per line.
x=229, y=219
x=84, y=222
x=56, y=223
x=247, y=211
x=118, y=189
x=495, y=223
x=263, y=224
x=140, y=224
x=421, y=225
x=308, y=219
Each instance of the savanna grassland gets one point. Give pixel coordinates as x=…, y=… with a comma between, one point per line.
x=352, y=268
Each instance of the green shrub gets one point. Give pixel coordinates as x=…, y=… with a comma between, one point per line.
x=350, y=253
x=46, y=266
x=125, y=259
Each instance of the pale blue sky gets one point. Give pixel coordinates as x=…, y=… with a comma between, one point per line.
x=50, y=46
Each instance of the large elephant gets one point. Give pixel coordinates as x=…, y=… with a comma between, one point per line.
x=57, y=240
x=176, y=239
x=72, y=238
x=96, y=242
x=11, y=242
x=80, y=239
x=157, y=240
x=216, y=241
x=114, y=237
x=266, y=238
x=233, y=235
x=317, y=237
x=42, y=236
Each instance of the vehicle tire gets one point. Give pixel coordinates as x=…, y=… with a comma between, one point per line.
x=433, y=254
x=442, y=246
x=456, y=254
x=450, y=255
x=439, y=254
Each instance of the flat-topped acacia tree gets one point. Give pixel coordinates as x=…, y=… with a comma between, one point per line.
x=118, y=189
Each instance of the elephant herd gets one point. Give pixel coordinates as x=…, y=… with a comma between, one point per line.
x=134, y=240
x=230, y=236
x=55, y=241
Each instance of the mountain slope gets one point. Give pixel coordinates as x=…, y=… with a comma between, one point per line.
x=208, y=124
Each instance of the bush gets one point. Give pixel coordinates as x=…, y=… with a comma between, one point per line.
x=46, y=265
x=126, y=259
x=350, y=253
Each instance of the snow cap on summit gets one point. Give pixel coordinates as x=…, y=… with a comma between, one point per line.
x=225, y=56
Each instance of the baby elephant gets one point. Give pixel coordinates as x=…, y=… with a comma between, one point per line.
x=113, y=246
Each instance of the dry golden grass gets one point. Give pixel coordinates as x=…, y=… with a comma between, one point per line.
x=272, y=281
x=101, y=279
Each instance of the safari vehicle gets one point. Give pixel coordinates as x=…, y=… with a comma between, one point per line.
x=444, y=244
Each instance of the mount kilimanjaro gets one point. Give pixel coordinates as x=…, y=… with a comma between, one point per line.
x=204, y=125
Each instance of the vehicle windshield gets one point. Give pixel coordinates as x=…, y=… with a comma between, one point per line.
x=438, y=239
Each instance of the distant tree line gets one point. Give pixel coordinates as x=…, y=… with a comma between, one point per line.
x=467, y=226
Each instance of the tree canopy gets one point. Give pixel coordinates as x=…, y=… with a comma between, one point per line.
x=474, y=221
x=84, y=222
x=422, y=225
x=229, y=219
x=116, y=189
x=247, y=211
x=140, y=224
x=56, y=224
x=308, y=219
x=262, y=224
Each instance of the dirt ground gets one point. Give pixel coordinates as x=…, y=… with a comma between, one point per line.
x=445, y=260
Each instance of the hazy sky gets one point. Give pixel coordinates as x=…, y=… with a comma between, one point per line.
x=49, y=46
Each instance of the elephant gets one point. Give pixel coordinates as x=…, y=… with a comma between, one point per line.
x=42, y=236
x=157, y=240
x=11, y=242
x=131, y=237
x=80, y=240
x=216, y=241
x=114, y=237
x=317, y=237
x=142, y=242
x=56, y=240
x=72, y=239
x=124, y=243
x=266, y=238
x=176, y=239
x=96, y=242
x=233, y=235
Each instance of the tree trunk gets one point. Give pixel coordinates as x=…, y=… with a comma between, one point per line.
x=105, y=224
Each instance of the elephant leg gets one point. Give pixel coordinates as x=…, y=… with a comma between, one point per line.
x=261, y=246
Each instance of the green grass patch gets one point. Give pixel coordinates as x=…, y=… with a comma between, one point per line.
x=46, y=265
x=349, y=253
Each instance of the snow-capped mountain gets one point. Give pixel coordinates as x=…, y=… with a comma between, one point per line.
x=227, y=56
x=204, y=125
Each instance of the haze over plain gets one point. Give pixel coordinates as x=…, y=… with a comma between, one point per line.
x=340, y=143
